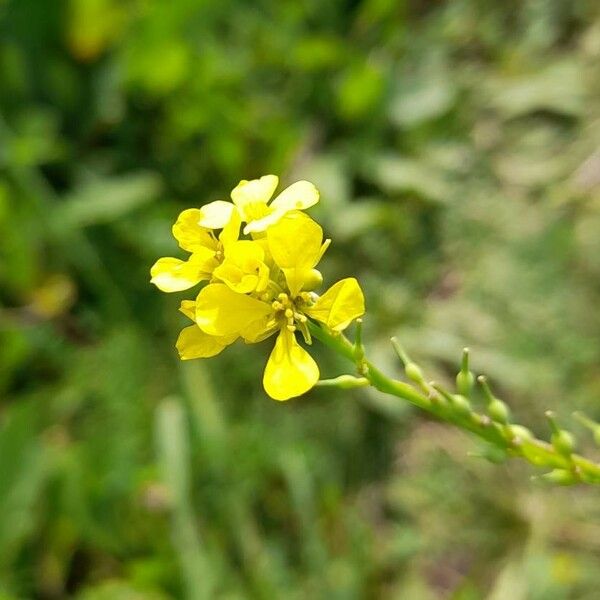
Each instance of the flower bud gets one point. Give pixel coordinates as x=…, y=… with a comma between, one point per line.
x=563, y=442
x=560, y=477
x=465, y=382
x=465, y=378
x=412, y=370
x=313, y=280
x=499, y=411
x=344, y=382
x=414, y=373
x=460, y=404
x=518, y=431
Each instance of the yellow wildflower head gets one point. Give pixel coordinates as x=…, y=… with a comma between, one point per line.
x=258, y=287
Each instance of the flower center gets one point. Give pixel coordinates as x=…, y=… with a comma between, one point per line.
x=288, y=313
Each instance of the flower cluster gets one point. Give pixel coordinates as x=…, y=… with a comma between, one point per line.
x=259, y=286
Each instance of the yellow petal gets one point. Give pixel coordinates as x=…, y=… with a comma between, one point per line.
x=262, y=224
x=221, y=311
x=297, y=279
x=215, y=215
x=260, y=330
x=175, y=275
x=190, y=235
x=188, y=308
x=297, y=196
x=290, y=370
x=323, y=249
x=264, y=276
x=231, y=231
x=295, y=241
x=245, y=252
x=254, y=191
x=339, y=305
x=235, y=278
x=194, y=343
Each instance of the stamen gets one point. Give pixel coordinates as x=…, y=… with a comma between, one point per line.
x=289, y=313
x=291, y=328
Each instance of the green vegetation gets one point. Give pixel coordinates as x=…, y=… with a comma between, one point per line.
x=456, y=148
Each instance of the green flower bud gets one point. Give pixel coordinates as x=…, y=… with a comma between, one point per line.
x=560, y=477
x=414, y=373
x=460, y=404
x=465, y=382
x=412, y=370
x=520, y=432
x=344, y=382
x=499, y=411
x=563, y=442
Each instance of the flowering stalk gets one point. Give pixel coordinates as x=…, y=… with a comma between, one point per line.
x=255, y=259
x=510, y=439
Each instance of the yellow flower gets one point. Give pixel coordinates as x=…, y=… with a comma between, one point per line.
x=257, y=287
x=244, y=269
x=251, y=198
x=295, y=244
x=207, y=252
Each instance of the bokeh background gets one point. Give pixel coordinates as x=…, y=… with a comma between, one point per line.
x=456, y=146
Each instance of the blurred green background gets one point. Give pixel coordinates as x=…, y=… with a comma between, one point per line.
x=456, y=146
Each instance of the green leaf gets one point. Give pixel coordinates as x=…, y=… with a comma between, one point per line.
x=106, y=200
x=422, y=101
x=397, y=174
x=360, y=91
x=174, y=458
x=22, y=473
x=559, y=88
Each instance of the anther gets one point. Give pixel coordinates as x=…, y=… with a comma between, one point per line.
x=277, y=305
x=291, y=328
x=289, y=313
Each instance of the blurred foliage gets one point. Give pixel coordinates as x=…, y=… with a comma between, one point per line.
x=456, y=145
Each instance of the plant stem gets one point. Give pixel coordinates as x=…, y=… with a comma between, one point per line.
x=513, y=440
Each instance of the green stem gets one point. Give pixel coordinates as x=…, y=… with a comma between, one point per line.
x=512, y=440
